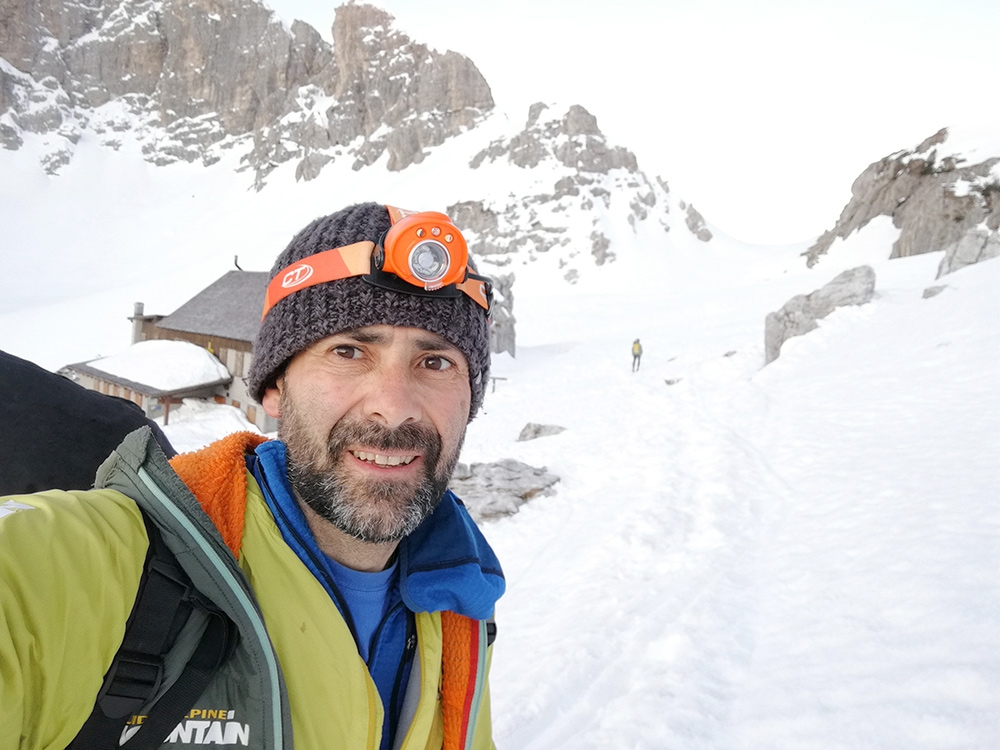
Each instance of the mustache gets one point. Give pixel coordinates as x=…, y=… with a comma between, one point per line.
x=406, y=437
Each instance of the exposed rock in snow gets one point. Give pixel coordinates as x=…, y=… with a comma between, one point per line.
x=499, y=489
x=934, y=291
x=534, y=430
x=799, y=315
x=696, y=223
x=972, y=247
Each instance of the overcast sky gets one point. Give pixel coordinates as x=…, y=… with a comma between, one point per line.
x=760, y=113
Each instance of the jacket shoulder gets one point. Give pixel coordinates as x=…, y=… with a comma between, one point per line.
x=70, y=564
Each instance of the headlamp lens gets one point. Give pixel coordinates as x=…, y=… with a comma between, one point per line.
x=429, y=261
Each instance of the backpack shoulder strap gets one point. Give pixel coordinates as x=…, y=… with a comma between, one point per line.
x=163, y=604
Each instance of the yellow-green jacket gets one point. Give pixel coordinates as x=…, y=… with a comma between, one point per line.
x=70, y=564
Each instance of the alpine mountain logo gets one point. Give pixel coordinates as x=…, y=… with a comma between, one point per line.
x=200, y=727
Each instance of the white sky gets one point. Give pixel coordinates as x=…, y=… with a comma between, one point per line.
x=762, y=114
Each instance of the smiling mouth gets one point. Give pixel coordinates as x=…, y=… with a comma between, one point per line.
x=379, y=459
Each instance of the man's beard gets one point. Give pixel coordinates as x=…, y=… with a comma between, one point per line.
x=379, y=511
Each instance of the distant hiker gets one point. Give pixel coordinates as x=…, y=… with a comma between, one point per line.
x=636, y=354
x=342, y=597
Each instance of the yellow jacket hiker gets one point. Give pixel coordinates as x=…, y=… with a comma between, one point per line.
x=321, y=591
x=69, y=566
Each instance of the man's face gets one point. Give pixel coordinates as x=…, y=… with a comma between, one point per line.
x=373, y=420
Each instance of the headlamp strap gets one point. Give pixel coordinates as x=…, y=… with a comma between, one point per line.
x=475, y=286
x=356, y=260
x=395, y=214
x=329, y=265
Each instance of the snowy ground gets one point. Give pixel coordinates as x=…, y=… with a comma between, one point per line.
x=801, y=556
x=804, y=556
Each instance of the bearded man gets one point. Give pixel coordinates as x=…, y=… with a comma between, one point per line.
x=360, y=587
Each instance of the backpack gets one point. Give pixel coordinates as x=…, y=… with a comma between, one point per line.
x=55, y=433
x=165, y=601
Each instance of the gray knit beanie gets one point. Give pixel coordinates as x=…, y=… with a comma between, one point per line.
x=315, y=312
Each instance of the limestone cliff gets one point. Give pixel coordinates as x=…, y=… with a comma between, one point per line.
x=203, y=75
x=937, y=199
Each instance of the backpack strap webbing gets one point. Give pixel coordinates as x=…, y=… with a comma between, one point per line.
x=164, y=601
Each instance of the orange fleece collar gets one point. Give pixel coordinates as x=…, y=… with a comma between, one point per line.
x=217, y=475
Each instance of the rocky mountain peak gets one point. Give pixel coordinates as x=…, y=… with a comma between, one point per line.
x=199, y=80
x=571, y=138
x=191, y=79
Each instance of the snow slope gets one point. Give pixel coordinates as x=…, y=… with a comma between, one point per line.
x=806, y=555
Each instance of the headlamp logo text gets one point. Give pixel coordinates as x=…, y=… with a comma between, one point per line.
x=297, y=275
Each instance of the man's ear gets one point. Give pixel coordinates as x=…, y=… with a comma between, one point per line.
x=272, y=400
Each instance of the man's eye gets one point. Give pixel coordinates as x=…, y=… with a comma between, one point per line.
x=347, y=351
x=436, y=363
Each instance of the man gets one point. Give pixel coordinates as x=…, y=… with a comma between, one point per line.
x=361, y=589
x=636, y=354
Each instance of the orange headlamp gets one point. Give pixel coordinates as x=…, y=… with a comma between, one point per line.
x=422, y=253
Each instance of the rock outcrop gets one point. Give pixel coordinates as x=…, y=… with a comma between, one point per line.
x=498, y=489
x=200, y=76
x=588, y=174
x=696, y=224
x=936, y=199
x=573, y=139
x=799, y=315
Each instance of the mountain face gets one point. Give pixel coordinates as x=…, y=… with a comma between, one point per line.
x=936, y=198
x=588, y=172
x=201, y=76
x=202, y=80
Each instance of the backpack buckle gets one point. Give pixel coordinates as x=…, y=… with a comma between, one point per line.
x=131, y=682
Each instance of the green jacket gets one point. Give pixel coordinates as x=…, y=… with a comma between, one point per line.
x=70, y=564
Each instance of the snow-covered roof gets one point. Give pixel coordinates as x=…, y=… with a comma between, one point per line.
x=229, y=308
x=160, y=367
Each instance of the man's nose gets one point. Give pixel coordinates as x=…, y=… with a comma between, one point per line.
x=391, y=396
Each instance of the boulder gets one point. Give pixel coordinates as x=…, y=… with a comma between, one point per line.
x=498, y=489
x=973, y=247
x=533, y=430
x=933, y=291
x=799, y=315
